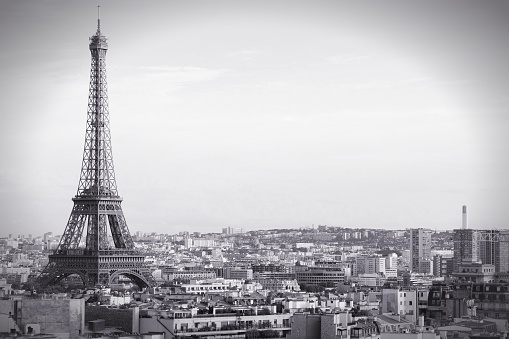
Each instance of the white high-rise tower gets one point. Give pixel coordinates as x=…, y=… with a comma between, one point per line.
x=464, y=224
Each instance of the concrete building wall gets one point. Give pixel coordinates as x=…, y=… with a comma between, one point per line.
x=306, y=326
x=390, y=300
x=55, y=316
x=328, y=327
x=374, y=296
x=403, y=302
x=418, y=335
x=119, y=318
x=330, y=323
x=457, y=306
x=60, y=316
x=7, y=324
x=6, y=306
x=147, y=325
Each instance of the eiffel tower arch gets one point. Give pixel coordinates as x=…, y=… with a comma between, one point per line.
x=100, y=258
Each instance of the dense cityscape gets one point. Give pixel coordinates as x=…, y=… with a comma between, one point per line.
x=323, y=281
x=99, y=279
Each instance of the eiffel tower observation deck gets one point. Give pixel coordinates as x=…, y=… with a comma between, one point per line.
x=100, y=258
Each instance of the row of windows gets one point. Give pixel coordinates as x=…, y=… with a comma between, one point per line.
x=206, y=288
x=493, y=288
x=490, y=296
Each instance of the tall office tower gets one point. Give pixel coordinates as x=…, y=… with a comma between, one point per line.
x=466, y=247
x=420, y=251
x=504, y=251
x=489, y=248
x=494, y=248
x=97, y=203
x=466, y=243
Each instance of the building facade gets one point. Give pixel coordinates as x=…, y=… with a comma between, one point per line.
x=420, y=251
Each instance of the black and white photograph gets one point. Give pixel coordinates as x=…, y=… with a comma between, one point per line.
x=237, y=169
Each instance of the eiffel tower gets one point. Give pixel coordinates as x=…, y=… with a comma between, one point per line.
x=97, y=204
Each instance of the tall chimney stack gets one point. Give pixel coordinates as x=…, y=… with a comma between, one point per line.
x=465, y=222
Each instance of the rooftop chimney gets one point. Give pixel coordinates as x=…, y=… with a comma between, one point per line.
x=465, y=222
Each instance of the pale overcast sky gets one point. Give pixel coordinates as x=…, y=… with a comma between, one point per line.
x=261, y=114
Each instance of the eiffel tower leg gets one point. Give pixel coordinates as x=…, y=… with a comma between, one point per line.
x=103, y=238
x=120, y=232
x=74, y=229
x=96, y=233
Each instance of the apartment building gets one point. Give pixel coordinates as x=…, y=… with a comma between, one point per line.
x=319, y=276
x=331, y=326
x=420, y=251
x=232, y=323
x=400, y=301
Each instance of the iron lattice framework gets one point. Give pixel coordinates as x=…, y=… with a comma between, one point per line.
x=97, y=203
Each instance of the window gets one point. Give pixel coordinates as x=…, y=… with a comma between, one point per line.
x=410, y=303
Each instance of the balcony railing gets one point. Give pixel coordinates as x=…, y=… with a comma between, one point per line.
x=208, y=315
x=233, y=328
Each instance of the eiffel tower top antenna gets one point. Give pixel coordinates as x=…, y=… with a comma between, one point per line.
x=99, y=19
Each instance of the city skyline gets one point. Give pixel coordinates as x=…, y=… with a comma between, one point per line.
x=262, y=115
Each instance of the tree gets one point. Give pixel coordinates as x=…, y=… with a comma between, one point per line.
x=252, y=334
x=264, y=311
x=269, y=334
x=134, y=288
x=311, y=288
x=31, y=285
x=357, y=312
x=166, y=284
